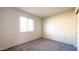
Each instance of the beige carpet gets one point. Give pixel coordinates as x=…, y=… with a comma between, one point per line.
x=43, y=45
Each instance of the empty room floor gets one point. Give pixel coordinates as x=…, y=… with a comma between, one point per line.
x=42, y=45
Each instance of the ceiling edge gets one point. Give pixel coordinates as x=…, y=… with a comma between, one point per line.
x=57, y=13
x=26, y=12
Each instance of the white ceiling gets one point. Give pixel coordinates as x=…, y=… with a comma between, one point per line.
x=44, y=11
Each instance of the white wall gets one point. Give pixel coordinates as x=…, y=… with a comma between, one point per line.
x=10, y=34
x=78, y=31
x=60, y=27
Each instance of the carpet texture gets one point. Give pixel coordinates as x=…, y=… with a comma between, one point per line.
x=43, y=45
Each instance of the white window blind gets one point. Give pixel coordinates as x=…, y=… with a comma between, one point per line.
x=30, y=25
x=26, y=24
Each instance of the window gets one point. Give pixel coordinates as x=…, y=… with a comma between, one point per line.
x=26, y=24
